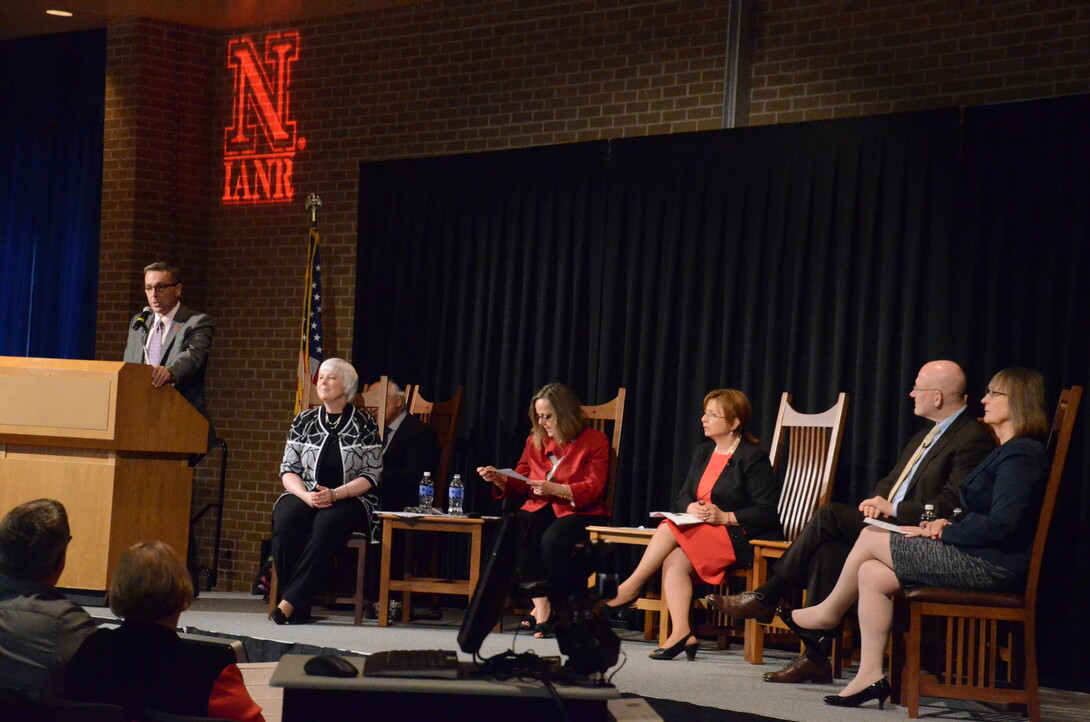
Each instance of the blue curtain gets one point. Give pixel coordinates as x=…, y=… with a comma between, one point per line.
x=53, y=89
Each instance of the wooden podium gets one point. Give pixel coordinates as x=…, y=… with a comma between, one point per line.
x=97, y=437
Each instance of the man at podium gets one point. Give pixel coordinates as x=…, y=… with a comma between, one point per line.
x=171, y=338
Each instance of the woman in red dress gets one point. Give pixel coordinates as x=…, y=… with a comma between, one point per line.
x=731, y=492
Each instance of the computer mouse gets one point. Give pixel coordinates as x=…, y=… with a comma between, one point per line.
x=330, y=665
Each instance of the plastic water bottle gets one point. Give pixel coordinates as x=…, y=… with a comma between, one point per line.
x=454, y=495
x=928, y=514
x=427, y=492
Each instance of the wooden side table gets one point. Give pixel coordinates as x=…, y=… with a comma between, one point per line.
x=408, y=583
x=639, y=537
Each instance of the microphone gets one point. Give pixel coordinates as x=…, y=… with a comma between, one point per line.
x=143, y=318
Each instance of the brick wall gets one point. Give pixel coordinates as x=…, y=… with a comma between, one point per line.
x=155, y=185
x=450, y=77
x=816, y=59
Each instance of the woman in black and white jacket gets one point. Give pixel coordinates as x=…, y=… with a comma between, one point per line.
x=331, y=471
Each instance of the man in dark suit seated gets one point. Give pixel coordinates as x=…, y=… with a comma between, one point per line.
x=410, y=447
x=935, y=460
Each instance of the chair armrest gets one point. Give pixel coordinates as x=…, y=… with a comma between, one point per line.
x=768, y=544
x=942, y=595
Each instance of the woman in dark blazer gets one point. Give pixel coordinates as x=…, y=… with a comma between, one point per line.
x=731, y=497
x=986, y=548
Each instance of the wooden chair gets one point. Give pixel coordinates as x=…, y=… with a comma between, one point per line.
x=373, y=401
x=813, y=442
x=443, y=417
x=981, y=642
x=600, y=417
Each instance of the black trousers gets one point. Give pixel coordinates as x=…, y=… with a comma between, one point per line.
x=550, y=554
x=816, y=557
x=305, y=541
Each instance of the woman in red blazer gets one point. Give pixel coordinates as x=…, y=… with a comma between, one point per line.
x=565, y=467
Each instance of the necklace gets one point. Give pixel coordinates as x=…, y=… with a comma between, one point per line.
x=332, y=421
x=732, y=448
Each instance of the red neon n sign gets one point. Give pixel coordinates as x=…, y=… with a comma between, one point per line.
x=259, y=146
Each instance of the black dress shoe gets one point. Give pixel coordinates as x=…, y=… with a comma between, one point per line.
x=801, y=669
x=671, y=652
x=879, y=691
x=278, y=616
x=813, y=638
x=747, y=605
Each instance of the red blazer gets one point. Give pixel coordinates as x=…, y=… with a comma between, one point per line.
x=584, y=467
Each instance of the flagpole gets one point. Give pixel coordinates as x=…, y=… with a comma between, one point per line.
x=303, y=377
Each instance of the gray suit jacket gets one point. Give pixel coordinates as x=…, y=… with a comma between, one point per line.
x=185, y=354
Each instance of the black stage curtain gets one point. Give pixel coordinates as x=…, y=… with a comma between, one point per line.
x=812, y=258
x=53, y=89
x=1024, y=221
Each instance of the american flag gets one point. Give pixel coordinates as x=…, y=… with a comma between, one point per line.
x=311, y=339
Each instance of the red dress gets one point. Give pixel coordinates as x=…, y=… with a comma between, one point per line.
x=708, y=546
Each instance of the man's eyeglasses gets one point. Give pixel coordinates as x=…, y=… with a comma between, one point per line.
x=992, y=393
x=916, y=390
x=159, y=287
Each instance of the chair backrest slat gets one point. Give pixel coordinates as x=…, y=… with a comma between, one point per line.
x=813, y=442
x=373, y=401
x=1059, y=440
x=443, y=417
x=600, y=417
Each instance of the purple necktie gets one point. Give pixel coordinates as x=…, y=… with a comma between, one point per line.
x=155, y=346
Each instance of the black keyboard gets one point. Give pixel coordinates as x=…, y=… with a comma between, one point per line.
x=434, y=663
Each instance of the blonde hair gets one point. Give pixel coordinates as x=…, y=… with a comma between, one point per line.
x=1025, y=390
x=735, y=405
x=567, y=414
x=150, y=583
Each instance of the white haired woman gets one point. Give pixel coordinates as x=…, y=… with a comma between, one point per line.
x=331, y=471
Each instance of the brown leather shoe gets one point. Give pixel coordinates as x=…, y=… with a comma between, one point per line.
x=746, y=605
x=801, y=669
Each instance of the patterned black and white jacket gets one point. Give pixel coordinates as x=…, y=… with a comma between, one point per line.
x=361, y=452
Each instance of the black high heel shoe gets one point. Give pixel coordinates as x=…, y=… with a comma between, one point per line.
x=814, y=638
x=879, y=691
x=671, y=652
x=546, y=629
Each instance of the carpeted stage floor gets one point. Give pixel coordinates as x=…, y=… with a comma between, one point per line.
x=718, y=687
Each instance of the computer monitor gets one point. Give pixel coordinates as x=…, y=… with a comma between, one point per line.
x=496, y=583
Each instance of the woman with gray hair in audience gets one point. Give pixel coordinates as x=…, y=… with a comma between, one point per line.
x=331, y=471
x=144, y=664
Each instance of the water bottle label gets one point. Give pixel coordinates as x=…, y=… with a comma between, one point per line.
x=456, y=492
x=425, y=490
